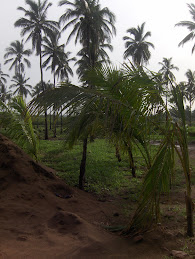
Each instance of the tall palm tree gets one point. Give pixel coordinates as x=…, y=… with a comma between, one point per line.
x=100, y=58
x=167, y=75
x=36, y=25
x=190, y=90
x=92, y=26
x=136, y=46
x=39, y=88
x=21, y=85
x=17, y=56
x=57, y=60
x=190, y=25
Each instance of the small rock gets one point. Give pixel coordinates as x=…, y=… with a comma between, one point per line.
x=138, y=239
x=178, y=254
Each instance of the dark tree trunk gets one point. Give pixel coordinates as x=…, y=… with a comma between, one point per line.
x=41, y=69
x=83, y=165
x=190, y=111
x=54, y=113
x=50, y=120
x=189, y=211
x=61, y=122
x=46, y=129
x=118, y=156
x=131, y=160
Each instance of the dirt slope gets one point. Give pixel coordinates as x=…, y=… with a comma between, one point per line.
x=41, y=217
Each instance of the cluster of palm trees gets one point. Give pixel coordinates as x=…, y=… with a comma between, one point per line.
x=93, y=27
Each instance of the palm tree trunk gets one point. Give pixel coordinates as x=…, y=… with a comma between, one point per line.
x=54, y=113
x=46, y=129
x=61, y=121
x=131, y=159
x=190, y=111
x=83, y=165
x=41, y=70
x=117, y=153
x=50, y=120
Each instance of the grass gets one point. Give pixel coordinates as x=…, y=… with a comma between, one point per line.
x=104, y=174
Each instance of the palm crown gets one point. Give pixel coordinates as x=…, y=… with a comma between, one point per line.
x=137, y=47
x=16, y=55
x=190, y=25
x=35, y=22
x=21, y=85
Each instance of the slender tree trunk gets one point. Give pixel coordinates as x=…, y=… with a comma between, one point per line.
x=50, y=120
x=83, y=165
x=190, y=111
x=46, y=129
x=61, y=120
x=131, y=160
x=41, y=70
x=118, y=156
x=54, y=113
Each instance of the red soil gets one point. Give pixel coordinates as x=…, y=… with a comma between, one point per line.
x=41, y=217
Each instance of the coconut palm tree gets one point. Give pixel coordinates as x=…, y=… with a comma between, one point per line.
x=101, y=57
x=38, y=89
x=21, y=85
x=167, y=75
x=190, y=25
x=36, y=25
x=190, y=90
x=136, y=46
x=17, y=56
x=92, y=26
x=57, y=60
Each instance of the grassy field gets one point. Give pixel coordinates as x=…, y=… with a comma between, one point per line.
x=104, y=174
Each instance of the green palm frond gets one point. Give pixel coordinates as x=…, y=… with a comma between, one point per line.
x=17, y=121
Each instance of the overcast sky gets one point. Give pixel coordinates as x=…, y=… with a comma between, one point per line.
x=160, y=18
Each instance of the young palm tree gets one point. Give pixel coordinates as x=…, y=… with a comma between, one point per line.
x=190, y=25
x=92, y=26
x=16, y=55
x=190, y=90
x=20, y=83
x=35, y=25
x=136, y=46
x=167, y=75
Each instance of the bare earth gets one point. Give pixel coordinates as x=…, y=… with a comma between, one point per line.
x=41, y=217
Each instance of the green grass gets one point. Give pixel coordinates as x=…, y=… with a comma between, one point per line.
x=104, y=174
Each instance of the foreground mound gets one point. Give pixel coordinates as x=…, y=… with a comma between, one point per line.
x=41, y=217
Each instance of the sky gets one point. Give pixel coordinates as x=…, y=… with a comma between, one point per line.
x=160, y=18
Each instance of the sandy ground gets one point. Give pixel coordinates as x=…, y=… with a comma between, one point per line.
x=41, y=217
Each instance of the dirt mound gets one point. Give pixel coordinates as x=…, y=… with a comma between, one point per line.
x=41, y=217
